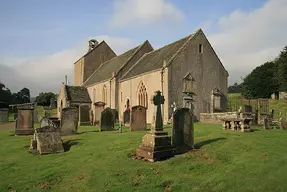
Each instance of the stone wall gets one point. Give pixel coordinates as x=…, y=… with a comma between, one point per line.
x=205, y=68
x=128, y=90
x=4, y=115
x=95, y=58
x=214, y=118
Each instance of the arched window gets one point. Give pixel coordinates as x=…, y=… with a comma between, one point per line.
x=142, y=95
x=104, y=94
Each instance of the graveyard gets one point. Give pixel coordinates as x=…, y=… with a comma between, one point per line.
x=101, y=161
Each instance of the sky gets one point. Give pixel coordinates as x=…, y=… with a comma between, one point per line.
x=40, y=40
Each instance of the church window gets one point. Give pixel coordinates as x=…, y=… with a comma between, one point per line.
x=200, y=48
x=121, y=96
x=142, y=95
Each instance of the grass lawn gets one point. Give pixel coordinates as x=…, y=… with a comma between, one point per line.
x=99, y=161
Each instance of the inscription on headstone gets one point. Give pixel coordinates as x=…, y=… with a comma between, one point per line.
x=25, y=122
x=138, y=118
x=69, y=120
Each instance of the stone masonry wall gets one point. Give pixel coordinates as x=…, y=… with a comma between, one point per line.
x=214, y=118
x=205, y=68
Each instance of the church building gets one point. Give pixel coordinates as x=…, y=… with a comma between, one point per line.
x=130, y=79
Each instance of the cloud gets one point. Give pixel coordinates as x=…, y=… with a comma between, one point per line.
x=143, y=12
x=44, y=74
x=246, y=40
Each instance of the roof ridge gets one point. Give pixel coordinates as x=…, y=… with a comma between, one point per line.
x=84, y=83
x=169, y=44
x=138, y=49
x=124, y=75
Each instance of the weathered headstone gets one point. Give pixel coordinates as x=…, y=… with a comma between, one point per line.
x=107, y=120
x=47, y=139
x=4, y=115
x=183, y=129
x=99, y=107
x=156, y=145
x=283, y=124
x=138, y=118
x=69, y=120
x=215, y=105
x=266, y=123
x=84, y=111
x=25, y=122
x=127, y=116
x=91, y=117
x=116, y=115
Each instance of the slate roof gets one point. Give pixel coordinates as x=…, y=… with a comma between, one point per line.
x=154, y=59
x=77, y=94
x=104, y=72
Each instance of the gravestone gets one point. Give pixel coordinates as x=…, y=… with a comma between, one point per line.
x=69, y=120
x=138, y=118
x=247, y=108
x=107, y=120
x=283, y=124
x=127, y=116
x=215, y=105
x=99, y=107
x=183, y=129
x=4, y=115
x=15, y=115
x=47, y=138
x=55, y=120
x=116, y=115
x=84, y=111
x=156, y=144
x=266, y=123
x=25, y=122
x=91, y=117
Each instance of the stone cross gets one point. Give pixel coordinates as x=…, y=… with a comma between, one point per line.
x=158, y=100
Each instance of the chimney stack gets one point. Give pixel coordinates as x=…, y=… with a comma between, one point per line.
x=92, y=44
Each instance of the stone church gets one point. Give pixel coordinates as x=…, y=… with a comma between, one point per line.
x=104, y=79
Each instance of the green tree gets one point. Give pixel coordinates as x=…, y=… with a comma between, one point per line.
x=5, y=94
x=236, y=88
x=261, y=82
x=281, y=75
x=44, y=98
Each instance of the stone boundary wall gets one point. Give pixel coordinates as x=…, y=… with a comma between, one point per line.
x=214, y=118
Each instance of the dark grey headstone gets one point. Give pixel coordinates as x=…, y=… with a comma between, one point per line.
x=127, y=116
x=107, y=120
x=183, y=128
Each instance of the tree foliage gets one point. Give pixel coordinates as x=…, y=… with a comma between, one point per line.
x=281, y=75
x=236, y=88
x=44, y=98
x=6, y=96
x=261, y=82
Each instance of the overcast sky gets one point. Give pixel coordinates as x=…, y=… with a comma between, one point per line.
x=40, y=40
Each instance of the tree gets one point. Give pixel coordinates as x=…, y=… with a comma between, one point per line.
x=261, y=82
x=281, y=75
x=236, y=88
x=5, y=94
x=44, y=98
